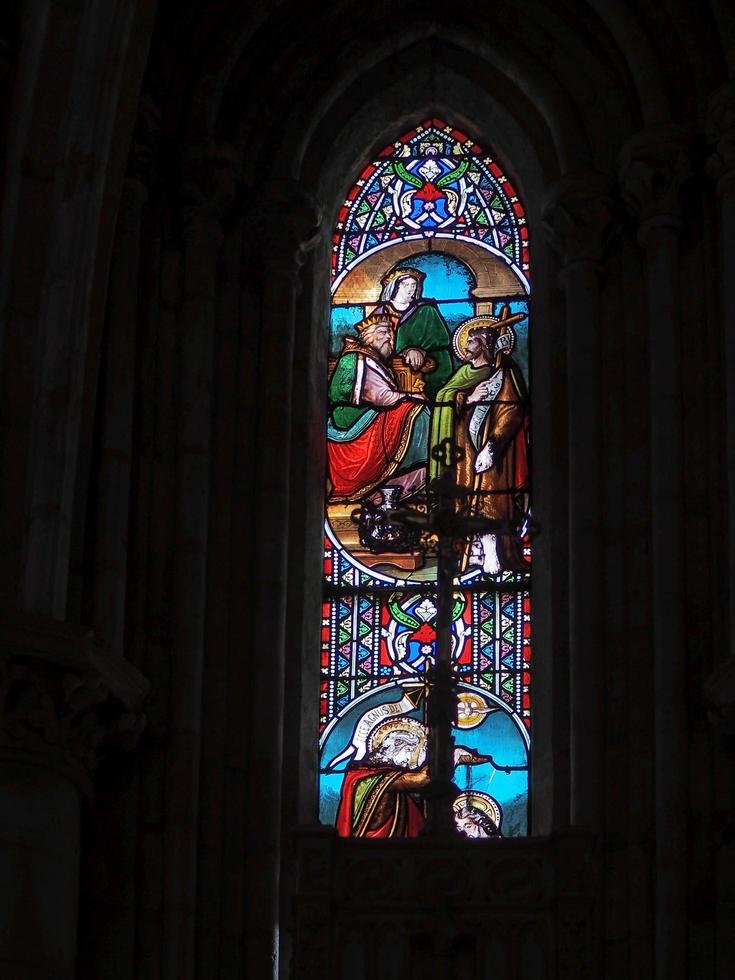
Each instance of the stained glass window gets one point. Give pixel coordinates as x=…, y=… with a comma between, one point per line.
x=428, y=389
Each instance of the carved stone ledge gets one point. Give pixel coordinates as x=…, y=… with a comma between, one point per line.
x=578, y=218
x=488, y=878
x=719, y=697
x=720, y=132
x=64, y=701
x=655, y=167
x=484, y=900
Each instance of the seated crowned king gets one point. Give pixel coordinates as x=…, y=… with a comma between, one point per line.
x=376, y=433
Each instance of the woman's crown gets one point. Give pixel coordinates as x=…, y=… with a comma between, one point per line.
x=401, y=273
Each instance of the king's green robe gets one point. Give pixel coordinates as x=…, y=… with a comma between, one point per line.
x=345, y=415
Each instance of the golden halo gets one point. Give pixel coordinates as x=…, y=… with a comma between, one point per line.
x=479, y=801
x=460, y=335
x=473, y=709
x=403, y=724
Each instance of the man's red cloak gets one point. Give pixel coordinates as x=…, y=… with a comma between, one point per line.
x=406, y=820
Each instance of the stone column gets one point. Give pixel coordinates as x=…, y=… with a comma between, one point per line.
x=721, y=167
x=209, y=185
x=289, y=225
x=654, y=168
x=62, y=260
x=62, y=701
x=118, y=384
x=577, y=219
x=719, y=687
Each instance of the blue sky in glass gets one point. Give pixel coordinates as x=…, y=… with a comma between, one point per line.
x=499, y=737
x=446, y=279
x=446, y=276
x=343, y=323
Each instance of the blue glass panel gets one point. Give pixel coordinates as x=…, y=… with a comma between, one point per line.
x=342, y=325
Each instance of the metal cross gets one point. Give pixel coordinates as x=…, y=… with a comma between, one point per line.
x=449, y=525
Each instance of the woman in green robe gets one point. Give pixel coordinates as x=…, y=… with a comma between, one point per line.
x=420, y=330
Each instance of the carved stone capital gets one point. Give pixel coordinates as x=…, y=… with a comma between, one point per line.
x=210, y=179
x=720, y=132
x=64, y=701
x=578, y=218
x=719, y=697
x=655, y=167
x=289, y=221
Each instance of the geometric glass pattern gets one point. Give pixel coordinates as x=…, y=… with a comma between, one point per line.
x=469, y=196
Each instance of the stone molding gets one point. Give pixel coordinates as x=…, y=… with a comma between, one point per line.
x=289, y=220
x=578, y=218
x=282, y=224
x=64, y=701
x=655, y=166
x=720, y=133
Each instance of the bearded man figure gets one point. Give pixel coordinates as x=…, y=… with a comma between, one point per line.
x=375, y=432
x=382, y=792
x=481, y=412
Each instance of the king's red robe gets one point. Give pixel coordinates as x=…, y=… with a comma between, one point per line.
x=357, y=467
x=367, y=443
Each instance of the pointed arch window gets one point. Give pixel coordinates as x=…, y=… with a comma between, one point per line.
x=428, y=379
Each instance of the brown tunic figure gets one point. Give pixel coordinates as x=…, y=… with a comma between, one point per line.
x=482, y=409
